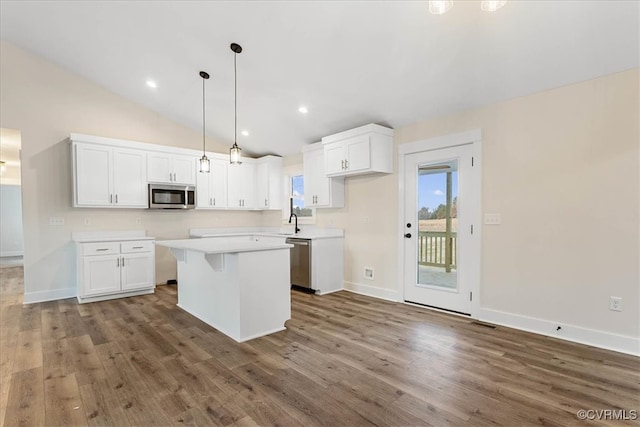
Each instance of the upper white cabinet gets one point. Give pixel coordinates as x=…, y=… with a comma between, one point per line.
x=171, y=168
x=363, y=150
x=211, y=188
x=269, y=184
x=241, y=185
x=320, y=191
x=108, y=176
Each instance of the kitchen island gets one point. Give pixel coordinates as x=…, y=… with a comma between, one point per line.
x=238, y=285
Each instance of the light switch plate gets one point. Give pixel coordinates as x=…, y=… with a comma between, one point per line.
x=492, y=219
x=56, y=220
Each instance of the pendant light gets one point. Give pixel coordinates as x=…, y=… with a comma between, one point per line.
x=205, y=165
x=235, y=153
x=492, y=5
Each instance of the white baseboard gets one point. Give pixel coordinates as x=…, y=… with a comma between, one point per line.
x=11, y=253
x=43, y=296
x=592, y=337
x=372, y=291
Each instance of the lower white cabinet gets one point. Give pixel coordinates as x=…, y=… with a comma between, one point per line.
x=115, y=269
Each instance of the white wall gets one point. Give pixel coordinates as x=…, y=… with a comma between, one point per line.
x=47, y=103
x=11, y=243
x=562, y=167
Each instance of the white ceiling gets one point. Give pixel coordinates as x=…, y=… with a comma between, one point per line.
x=349, y=62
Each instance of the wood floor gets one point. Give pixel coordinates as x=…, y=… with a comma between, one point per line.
x=344, y=360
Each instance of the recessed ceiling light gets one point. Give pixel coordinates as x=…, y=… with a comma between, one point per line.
x=303, y=110
x=245, y=132
x=152, y=84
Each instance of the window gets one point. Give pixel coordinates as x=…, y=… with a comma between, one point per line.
x=297, y=198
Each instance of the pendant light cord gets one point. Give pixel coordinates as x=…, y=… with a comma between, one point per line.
x=203, y=119
x=235, y=97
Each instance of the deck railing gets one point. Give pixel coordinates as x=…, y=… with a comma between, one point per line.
x=434, y=251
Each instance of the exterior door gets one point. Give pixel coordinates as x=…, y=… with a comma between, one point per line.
x=441, y=205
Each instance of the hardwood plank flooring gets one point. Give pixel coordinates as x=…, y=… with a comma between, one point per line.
x=344, y=360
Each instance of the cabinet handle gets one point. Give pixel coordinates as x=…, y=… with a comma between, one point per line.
x=137, y=247
x=118, y=264
x=174, y=177
x=210, y=201
x=123, y=261
x=170, y=176
x=265, y=202
x=214, y=201
x=110, y=198
x=116, y=199
x=342, y=162
x=102, y=249
x=346, y=164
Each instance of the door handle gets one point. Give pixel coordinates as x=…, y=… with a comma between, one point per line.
x=408, y=235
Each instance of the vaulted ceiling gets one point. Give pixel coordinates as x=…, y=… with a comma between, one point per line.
x=350, y=63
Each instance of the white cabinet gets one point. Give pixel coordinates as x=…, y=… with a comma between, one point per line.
x=211, y=188
x=320, y=191
x=241, y=186
x=269, y=183
x=109, y=269
x=106, y=176
x=171, y=168
x=364, y=150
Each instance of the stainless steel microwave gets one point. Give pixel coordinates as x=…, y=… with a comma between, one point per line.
x=163, y=196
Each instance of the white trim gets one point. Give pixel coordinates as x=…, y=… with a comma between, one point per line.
x=11, y=253
x=436, y=143
x=473, y=137
x=318, y=292
x=372, y=291
x=51, y=295
x=592, y=337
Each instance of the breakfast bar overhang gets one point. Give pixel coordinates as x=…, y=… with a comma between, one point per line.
x=241, y=287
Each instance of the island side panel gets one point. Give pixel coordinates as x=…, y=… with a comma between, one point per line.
x=211, y=296
x=265, y=292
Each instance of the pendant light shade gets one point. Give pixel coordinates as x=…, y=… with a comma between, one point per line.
x=492, y=5
x=438, y=7
x=235, y=153
x=205, y=165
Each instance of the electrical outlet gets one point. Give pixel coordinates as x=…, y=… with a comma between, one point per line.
x=56, y=220
x=368, y=273
x=615, y=304
x=492, y=219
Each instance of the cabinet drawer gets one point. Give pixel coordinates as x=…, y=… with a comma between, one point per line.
x=104, y=248
x=136, y=246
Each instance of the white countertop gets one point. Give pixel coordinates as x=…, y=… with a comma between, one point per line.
x=109, y=236
x=307, y=232
x=220, y=246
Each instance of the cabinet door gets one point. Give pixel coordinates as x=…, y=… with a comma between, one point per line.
x=137, y=271
x=184, y=169
x=249, y=186
x=358, y=153
x=203, y=190
x=130, y=178
x=262, y=186
x=218, y=183
x=93, y=175
x=313, y=169
x=241, y=186
x=334, y=157
x=101, y=275
x=159, y=168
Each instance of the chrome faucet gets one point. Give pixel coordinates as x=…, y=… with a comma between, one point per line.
x=296, y=217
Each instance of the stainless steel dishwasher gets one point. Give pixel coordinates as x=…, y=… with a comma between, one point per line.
x=300, y=263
